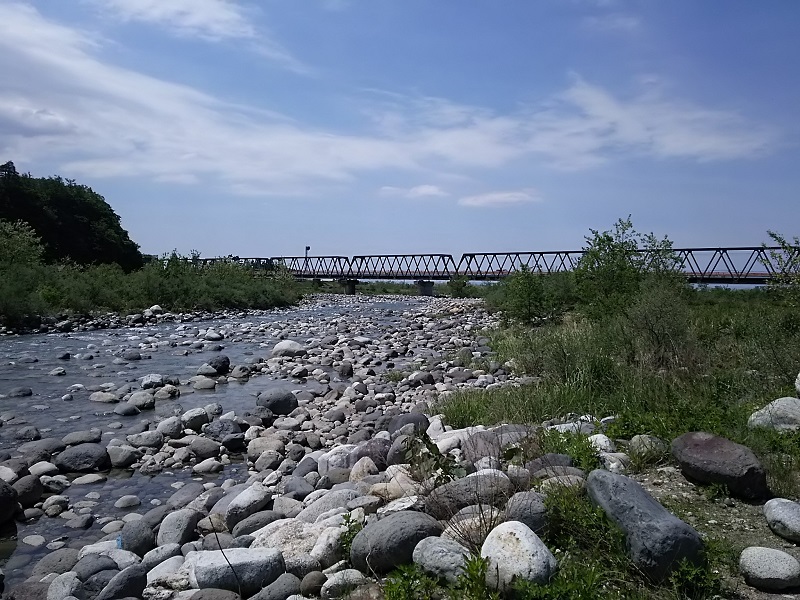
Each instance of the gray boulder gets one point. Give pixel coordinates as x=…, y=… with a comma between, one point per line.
x=418, y=420
x=255, y=568
x=331, y=500
x=178, y=527
x=247, y=503
x=137, y=537
x=128, y=583
x=657, y=540
x=514, y=552
x=480, y=444
x=383, y=545
x=783, y=517
x=284, y=586
x=29, y=491
x=441, y=557
x=708, y=458
x=83, y=458
x=220, y=363
x=220, y=429
x=194, y=418
x=782, y=414
x=484, y=489
x=255, y=522
x=279, y=401
x=527, y=508
x=59, y=561
x=768, y=569
x=288, y=348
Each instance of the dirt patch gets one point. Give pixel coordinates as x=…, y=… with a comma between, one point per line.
x=729, y=524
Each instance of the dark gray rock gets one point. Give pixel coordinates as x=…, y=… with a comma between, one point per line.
x=548, y=460
x=83, y=458
x=312, y=583
x=295, y=487
x=92, y=564
x=480, y=444
x=527, y=508
x=128, y=583
x=219, y=429
x=29, y=490
x=255, y=522
x=377, y=449
x=279, y=401
x=418, y=420
x=657, y=540
x=178, y=527
x=215, y=594
x=19, y=392
x=186, y=494
x=709, y=458
x=204, y=448
x=137, y=537
x=386, y=544
x=220, y=363
x=39, y=450
x=58, y=561
x=8, y=502
x=397, y=451
x=284, y=586
x=484, y=489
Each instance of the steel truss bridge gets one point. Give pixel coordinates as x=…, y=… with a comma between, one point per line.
x=739, y=265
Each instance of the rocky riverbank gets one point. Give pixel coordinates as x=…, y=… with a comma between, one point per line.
x=319, y=483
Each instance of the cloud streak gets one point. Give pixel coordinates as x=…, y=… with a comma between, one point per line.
x=419, y=191
x=60, y=101
x=208, y=20
x=498, y=199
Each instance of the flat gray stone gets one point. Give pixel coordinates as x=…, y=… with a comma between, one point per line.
x=783, y=517
x=768, y=569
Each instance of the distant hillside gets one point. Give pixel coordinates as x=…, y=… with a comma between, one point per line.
x=73, y=221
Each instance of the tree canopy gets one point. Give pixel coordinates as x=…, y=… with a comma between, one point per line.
x=73, y=221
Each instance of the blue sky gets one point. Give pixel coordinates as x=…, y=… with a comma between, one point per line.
x=394, y=126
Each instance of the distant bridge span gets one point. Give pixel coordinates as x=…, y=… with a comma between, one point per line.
x=751, y=264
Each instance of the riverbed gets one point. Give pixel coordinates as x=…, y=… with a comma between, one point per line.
x=385, y=338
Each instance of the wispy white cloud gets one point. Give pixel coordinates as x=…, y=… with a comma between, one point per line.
x=60, y=101
x=419, y=191
x=497, y=199
x=210, y=20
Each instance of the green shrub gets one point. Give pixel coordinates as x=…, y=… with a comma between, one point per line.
x=409, y=582
x=614, y=264
x=530, y=297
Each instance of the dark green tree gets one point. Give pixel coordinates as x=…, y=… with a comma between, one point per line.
x=73, y=221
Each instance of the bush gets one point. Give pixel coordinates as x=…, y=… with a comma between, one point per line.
x=531, y=298
x=614, y=264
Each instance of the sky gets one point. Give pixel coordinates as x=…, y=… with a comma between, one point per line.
x=410, y=126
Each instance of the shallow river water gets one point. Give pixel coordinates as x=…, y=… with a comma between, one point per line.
x=169, y=348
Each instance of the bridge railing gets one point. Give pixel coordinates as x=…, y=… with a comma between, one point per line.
x=746, y=264
x=315, y=267
x=403, y=266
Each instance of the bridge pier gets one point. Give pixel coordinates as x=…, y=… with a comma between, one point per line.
x=425, y=288
x=349, y=286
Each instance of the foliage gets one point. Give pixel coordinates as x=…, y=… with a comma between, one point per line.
x=428, y=464
x=409, y=582
x=459, y=287
x=351, y=528
x=531, y=297
x=786, y=262
x=471, y=583
x=73, y=221
x=177, y=283
x=576, y=445
x=19, y=245
x=614, y=264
